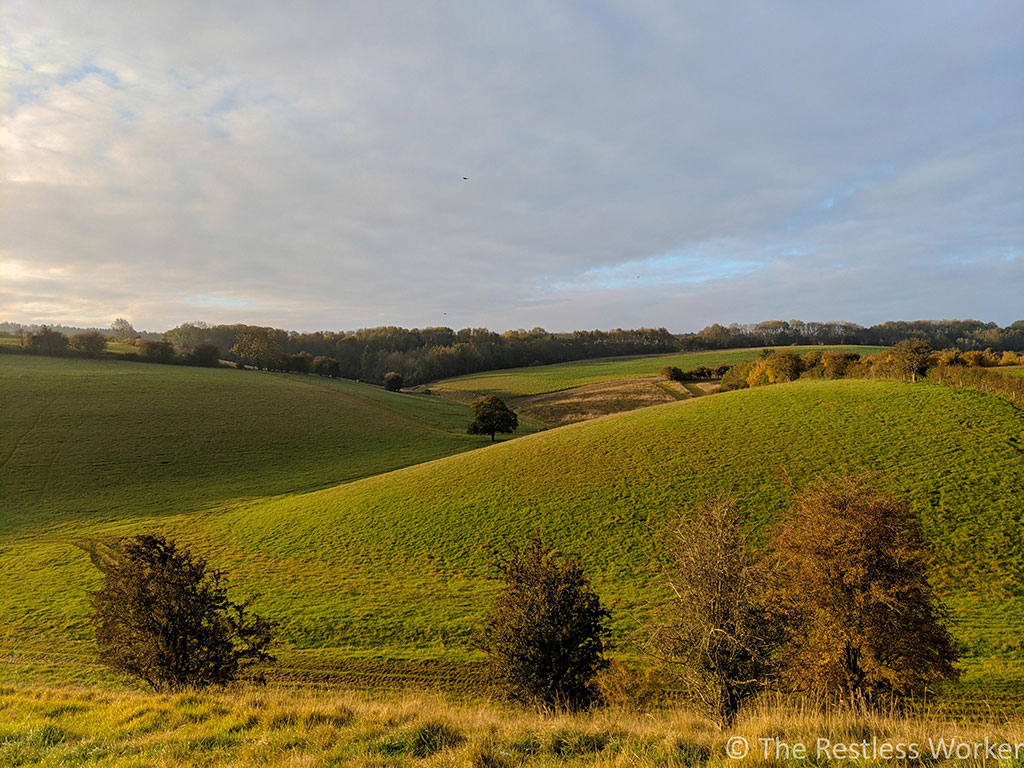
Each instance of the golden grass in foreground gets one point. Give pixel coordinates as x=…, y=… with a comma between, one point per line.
x=46, y=725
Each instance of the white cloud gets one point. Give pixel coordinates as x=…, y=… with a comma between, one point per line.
x=307, y=159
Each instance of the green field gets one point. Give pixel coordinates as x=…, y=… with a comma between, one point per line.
x=1014, y=371
x=392, y=569
x=538, y=380
x=83, y=439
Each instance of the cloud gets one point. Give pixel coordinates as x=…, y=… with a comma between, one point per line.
x=818, y=161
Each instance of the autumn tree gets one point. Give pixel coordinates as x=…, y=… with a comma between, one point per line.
x=492, y=416
x=393, y=381
x=836, y=362
x=909, y=358
x=90, y=343
x=163, y=615
x=776, y=368
x=545, y=634
x=864, y=624
x=326, y=366
x=717, y=629
x=258, y=346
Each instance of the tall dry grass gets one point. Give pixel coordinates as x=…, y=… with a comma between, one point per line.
x=281, y=726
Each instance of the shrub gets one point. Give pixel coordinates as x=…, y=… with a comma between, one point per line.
x=164, y=616
x=864, y=623
x=47, y=341
x=326, y=366
x=717, y=629
x=736, y=377
x=545, y=634
x=836, y=363
x=90, y=343
x=775, y=368
x=156, y=351
x=671, y=372
x=204, y=354
x=393, y=381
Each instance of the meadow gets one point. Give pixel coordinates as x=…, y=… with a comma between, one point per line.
x=85, y=439
x=538, y=380
x=382, y=581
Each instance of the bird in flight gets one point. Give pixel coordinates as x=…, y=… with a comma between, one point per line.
x=465, y=178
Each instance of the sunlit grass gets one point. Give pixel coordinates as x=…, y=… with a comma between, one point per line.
x=536, y=380
x=73, y=726
x=387, y=576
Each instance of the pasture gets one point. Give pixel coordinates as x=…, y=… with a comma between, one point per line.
x=538, y=380
x=383, y=580
x=85, y=439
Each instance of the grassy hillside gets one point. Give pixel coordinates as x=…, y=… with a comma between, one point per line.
x=81, y=439
x=520, y=382
x=395, y=566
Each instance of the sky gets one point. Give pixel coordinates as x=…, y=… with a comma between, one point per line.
x=568, y=165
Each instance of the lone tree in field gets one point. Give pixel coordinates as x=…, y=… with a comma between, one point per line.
x=545, y=635
x=164, y=616
x=909, y=358
x=393, y=381
x=716, y=629
x=492, y=416
x=864, y=623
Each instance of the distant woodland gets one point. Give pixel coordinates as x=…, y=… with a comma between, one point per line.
x=428, y=354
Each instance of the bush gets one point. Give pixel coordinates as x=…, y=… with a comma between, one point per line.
x=836, y=363
x=393, y=381
x=204, y=354
x=90, y=343
x=736, y=377
x=864, y=625
x=326, y=366
x=156, y=351
x=545, y=634
x=164, y=616
x=47, y=341
x=671, y=373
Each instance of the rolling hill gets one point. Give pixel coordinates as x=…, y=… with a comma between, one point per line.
x=395, y=566
x=104, y=439
x=542, y=379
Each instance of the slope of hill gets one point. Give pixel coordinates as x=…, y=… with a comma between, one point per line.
x=395, y=566
x=109, y=439
x=541, y=379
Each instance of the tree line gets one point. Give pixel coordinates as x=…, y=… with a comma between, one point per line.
x=833, y=601
x=907, y=360
x=420, y=355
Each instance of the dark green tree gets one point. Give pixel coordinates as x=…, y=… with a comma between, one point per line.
x=164, y=616
x=47, y=341
x=545, y=634
x=393, y=381
x=492, y=416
